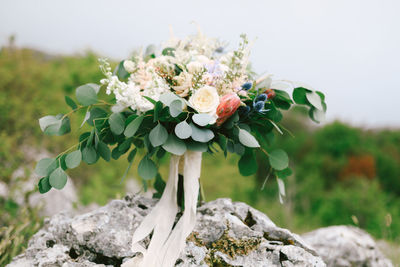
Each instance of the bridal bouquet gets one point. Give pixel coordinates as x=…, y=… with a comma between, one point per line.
x=185, y=97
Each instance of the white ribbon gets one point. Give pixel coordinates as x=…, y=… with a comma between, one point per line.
x=167, y=243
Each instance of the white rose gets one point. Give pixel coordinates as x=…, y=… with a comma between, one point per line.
x=129, y=66
x=205, y=100
x=194, y=67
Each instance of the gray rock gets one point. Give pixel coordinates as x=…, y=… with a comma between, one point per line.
x=344, y=246
x=232, y=234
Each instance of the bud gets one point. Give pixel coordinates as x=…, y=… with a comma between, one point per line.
x=270, y=93
x=228, y=104
x=258, y=106
x=262, y=97
x=247, y=85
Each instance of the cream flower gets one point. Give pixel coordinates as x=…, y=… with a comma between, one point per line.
x=184, y=83
x=205, y=100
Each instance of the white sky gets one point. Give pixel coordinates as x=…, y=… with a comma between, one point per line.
x=349, y=49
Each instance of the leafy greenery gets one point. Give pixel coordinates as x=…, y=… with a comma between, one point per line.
x=331, y=181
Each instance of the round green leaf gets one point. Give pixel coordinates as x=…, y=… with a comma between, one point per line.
x=70, y=102
x=168, y=97
x=247, y=139
x=73, y=159
x=104, y=151
x=201, y=135
x=158, y=135
x=196, y=146
x=175, y=108
x=45, y=166
x=133, y=126
x=44, y=185
x=174, y=145
x=97, y=116
x=278, y=159
x=202, y=119
x=58, y=179
x=53, y=125
x=86, y=95
x=183, y=130
x=117, y=123
x=299, y=95
x=247, y=163
x=89, y=155
x=147, y=169
x=314, y=99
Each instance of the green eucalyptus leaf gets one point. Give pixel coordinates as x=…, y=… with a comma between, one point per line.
x=73, y=159
x=167, y=98
x=158, y=135
x=157, y=109
x=239, y=149
x=278, y=159
x=316, y=115
x=168, y=51
x=147, y=169
x=201, y=135
x=314, y=99
x=55, y=125
x=89, y=155
x=104, y=151
x=133, y=126
x=202, y=119
x=159, y=186
x=45, y=166
x=125, y=145
x=299, y=95
x=174, y=145
x=132, y=155
x=247, y=163
x=117, y=123
x=44, y=185
x=183, y=130
x=58, y=179
x=70, y=102
x=175, y=108
x=86, y=95
x=196, y=146
x=247, y=139
x=97, y=116
x=284, y=173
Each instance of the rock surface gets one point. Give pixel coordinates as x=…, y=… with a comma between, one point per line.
x=346, y=246
x=226, y=233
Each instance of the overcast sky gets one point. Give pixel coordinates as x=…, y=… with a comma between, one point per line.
x=349, y=49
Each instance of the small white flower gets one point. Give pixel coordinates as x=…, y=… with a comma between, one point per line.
x=195, y=67
x=129, y=66
x=205, y=100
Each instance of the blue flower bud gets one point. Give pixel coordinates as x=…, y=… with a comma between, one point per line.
x=262, y=97
x=258, y=106
x=246, y=86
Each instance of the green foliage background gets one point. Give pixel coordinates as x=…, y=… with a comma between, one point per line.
x=330, y=184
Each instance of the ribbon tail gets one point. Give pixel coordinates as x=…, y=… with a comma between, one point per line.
x=177, y=240
x=160, y=219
